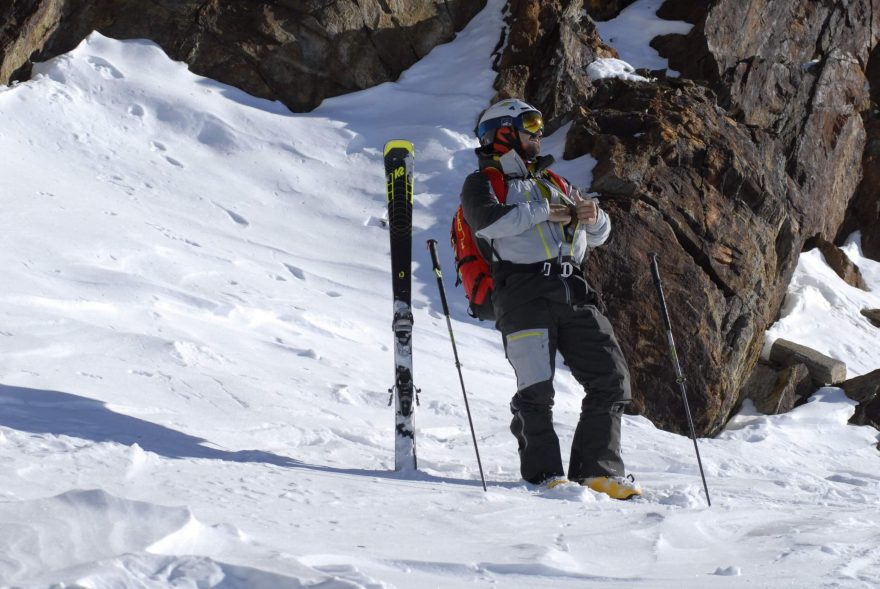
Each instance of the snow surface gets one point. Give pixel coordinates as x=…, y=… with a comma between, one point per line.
x=631, y=31
x=195, y=329
x=613, y=68
x=822, y=311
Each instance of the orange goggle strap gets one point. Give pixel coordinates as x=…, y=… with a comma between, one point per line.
x=506, y=138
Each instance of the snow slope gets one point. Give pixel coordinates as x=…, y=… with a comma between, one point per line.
x=195, y=329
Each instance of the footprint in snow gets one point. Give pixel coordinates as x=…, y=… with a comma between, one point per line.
x=302, y=352
x=653, y=518
x=849, y=480
x=105, y=68
x=295, y=272
x=218, y=135
x=372, y=221
x=118, y=180
x=90, y=375
x=236, y=218
x=731, y=571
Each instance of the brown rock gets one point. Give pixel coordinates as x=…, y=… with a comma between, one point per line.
x=862, y=388
x=676, y=47
x=692, y=11
x=873, y=316
x=867, y=414
x=797, y=72
x=776, y=390
x=547, y=49
x=680, y=177
x=823, y=369
x=605, y=9
x=864, y=211
x=866, y=390
x=25, y=26
x=840, y=263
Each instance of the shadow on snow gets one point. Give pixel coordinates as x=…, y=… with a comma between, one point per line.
x=64, y=414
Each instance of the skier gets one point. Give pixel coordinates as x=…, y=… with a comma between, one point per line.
x=539, y=237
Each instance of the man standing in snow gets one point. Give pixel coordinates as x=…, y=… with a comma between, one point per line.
x=539, y=229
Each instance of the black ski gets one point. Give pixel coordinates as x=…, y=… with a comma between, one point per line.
x=399, y=159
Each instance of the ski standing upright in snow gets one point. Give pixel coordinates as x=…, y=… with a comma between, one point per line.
x=399, y=159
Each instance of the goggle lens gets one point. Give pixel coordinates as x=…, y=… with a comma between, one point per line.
x=531, y=122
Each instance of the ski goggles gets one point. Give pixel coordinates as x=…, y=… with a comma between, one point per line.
x=530, y=122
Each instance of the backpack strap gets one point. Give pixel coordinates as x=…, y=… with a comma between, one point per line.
x=496, y=179
x=558, y=181
x=499, y=187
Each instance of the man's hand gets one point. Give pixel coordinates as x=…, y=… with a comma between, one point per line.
x=560, y=214
x=587, y=209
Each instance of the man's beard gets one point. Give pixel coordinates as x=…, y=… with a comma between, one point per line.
x=531, y=150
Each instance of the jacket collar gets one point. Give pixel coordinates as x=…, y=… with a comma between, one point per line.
x=512, y=164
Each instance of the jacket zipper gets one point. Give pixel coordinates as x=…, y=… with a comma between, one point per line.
x=553, y=229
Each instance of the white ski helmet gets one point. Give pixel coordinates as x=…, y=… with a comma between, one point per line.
x=510, y=113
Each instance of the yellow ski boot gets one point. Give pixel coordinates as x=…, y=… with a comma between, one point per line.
x=615, y=487
x=554, y=482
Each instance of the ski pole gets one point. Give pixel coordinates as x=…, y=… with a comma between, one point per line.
x=432, y=247
x=679, y=375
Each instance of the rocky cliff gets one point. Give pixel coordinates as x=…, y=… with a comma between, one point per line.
x=771, y=137
x=295, y=51
x=727, y=172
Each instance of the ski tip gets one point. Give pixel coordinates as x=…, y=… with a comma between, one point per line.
x=399, y=144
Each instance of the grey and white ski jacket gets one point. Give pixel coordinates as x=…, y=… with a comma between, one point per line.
x=518, y=229
x=521, y=237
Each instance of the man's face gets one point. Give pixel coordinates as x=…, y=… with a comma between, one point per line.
x=531, y=144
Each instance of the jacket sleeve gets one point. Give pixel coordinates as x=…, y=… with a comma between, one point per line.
x=489, y=218
x=598, y=234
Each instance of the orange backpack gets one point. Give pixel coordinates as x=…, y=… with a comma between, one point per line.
x=472, y=254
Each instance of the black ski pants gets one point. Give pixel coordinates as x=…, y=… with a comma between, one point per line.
x=532, y=334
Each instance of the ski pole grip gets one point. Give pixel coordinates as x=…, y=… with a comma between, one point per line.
x=432, y=247
x=655, y=272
